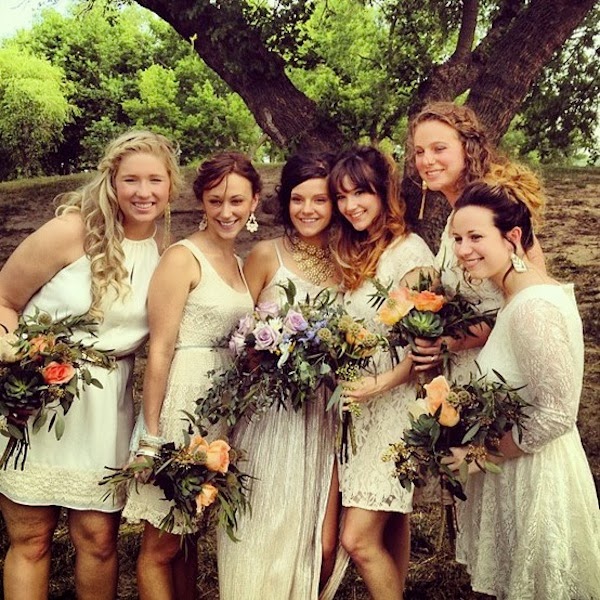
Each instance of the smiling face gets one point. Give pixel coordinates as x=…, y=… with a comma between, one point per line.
x=228, y=206
x=358, y=206
x=311, y=209
x=440, y=158
x=479, y=245
x=142, y=186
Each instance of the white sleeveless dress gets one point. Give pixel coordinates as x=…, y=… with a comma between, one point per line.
x=291, y=454
x=98, y=426
x=212, y=310
x=532, y=532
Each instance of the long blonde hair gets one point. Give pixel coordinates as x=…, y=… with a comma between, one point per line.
x=103, y=220
x=357, y=252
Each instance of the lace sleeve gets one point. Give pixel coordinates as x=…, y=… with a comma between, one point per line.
x=540, y=338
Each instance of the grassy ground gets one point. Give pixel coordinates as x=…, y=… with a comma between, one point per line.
x=571, y=243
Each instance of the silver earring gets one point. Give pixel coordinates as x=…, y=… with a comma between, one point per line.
x=252, y=224
x=517, y=262
x=203, y=224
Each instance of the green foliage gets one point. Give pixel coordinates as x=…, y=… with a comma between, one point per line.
x=33, y=111
x=115, y=61
x=561, y=115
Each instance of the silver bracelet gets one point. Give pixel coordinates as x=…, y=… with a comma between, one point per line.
x=146, y=451
x=152, y=441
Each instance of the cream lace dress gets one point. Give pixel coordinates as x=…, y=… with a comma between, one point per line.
x=532, y=532
x=291, y=454
x=482, y=292
x=98, y=426
x=212, y=310
x=365, y=480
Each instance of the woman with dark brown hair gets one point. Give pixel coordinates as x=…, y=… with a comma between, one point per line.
x=196, y=297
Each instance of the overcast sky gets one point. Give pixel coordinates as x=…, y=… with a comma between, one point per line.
x=19, y=14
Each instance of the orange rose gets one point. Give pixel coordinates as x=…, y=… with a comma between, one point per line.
x=437, y=393
x=39, y=344
x=397, y=306
x=217, y=456
x=55, y=373
x=208, y=494
x=429, y=301
x=197, y=444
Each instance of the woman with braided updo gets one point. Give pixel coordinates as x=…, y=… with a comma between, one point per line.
x=531, y=532
x=448, y=149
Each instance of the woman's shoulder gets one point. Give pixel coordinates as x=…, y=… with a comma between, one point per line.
x=265, y=248
x=410, y=242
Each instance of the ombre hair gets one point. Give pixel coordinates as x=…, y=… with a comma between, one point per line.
x=103, y=220
x=357, y=252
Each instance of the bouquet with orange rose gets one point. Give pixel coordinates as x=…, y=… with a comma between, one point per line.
x=429, y=310
x=196, y=477
x=42, y=367
x=476, y=415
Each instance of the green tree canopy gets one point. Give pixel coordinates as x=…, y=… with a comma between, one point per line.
x=33, y=111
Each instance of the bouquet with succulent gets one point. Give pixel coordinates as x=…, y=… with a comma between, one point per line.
x=476, y=414
x=196, y=477
x=428, y=310
x=281, y=355
x=41, y=370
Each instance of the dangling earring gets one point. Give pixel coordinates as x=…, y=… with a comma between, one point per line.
x=167, y=227
x=423, y=197
x=203, y=224
x=518, y=264
x=252, y=224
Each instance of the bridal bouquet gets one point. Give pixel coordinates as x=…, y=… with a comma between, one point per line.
x=427, y=311
x=197, y=477
x=475, y=415
x=281, y=355
x=42, y=369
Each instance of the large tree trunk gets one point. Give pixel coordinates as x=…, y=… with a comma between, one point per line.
x=236, y=52
x=499, y=73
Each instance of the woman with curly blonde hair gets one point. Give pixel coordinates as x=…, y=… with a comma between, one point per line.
x=448, y=149
x=373, y=242
x=95, y=257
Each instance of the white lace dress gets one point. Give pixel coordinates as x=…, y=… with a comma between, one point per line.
x=98, y=426
x=212, y=310
x=365, y=480
x=291, y=454
x=532, y=532
x=481, y=291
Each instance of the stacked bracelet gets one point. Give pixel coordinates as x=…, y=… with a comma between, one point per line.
x=147, y=451
x=152, y=441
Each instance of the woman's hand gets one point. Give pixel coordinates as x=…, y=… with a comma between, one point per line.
x=476, y=458
x=360, y=390
x=427, y=353
x=141, y=464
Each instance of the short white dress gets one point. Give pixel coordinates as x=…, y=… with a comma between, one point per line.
x=212, y=310
x=291, y=454
x=366, y=481
x=532, y=532
x=98, y=426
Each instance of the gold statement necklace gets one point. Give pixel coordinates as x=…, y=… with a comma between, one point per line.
x=315, y=262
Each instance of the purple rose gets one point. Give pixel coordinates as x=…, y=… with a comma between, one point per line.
x=294, y=321
x=237, y=343
x=246, y=325
x=267, y=309
x=266, y=337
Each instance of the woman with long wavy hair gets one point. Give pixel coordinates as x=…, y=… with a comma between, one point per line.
x=95, y=257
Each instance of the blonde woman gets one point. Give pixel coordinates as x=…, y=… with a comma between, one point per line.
x=96, y=256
